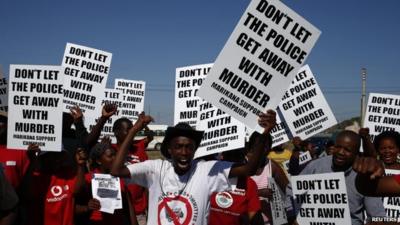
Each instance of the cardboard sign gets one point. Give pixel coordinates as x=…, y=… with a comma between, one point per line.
x=280, y=132
x=304, y=106
x=111, y=96
x=107, y=190
x=36, y=107
x=277, y=207
x=392, y=204
x=258, y=62
x=3, y=92
x=382, y=113
x=85, y=76
x=133, y=97
x=221, y=131
x=304, y=157
x=322, y=199
x=188, y=81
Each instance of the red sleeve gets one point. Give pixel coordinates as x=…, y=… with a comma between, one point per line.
x=88, y=178
x=252, y=197
x=397, y=178
x=141, y=149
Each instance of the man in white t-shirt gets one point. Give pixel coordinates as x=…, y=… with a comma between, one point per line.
x=180, y=187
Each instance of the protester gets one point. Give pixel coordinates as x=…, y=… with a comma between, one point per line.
x=136, y=153
x=78, y=137
x=387, y=145
x=50, y=184
x=102, y=156
x=240, y=205
x=268, y=169
x=15, y=162
x=179, y=187
x=8, y=201
x=347, y=147
x=300, y=147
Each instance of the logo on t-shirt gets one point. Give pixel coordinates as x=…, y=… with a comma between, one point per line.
x=182, y=208
x=56, y=190
x=58, y=193
x=223, y=199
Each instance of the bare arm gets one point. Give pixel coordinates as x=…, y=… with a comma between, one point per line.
x=132, y=213
x=267, y=121
x=118, y=168
x=370, y=180
x=279, y=176
x=80, y=158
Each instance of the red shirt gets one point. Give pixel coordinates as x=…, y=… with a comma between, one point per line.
x=102, y=218
x=137, y=193
x=53, y=203
x=397, y=178
x=15, y=164
x=228, y=207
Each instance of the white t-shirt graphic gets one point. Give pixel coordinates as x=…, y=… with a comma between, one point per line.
x=187, y=195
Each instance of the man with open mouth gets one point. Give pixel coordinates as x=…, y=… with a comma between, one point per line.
x=347, y=146
x=180, y=187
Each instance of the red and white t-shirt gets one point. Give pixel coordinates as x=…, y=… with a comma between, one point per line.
x=15, y=164
x=184, y=198
x=53, y=202
x=227, y=207
x=137, y=193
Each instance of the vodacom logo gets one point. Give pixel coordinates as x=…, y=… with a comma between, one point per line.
x=56, y=191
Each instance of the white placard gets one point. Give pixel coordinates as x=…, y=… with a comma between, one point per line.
x=304, y=157
x=258, y=62
x=187, y=82
x=111, y=96
x=221, y=131
x=382, y=113
x=280, y=132
x=133, y=97
x=304, y=106
x=36, y=107
x=277, y=207
x=3, y=91
x=322, y=198
x=107, y=190
x=85, y=76
x=392, y=204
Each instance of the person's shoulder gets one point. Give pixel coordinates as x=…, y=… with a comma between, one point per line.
x=154, y=162
x=320, y=165
x=251, y=182
x=212, y=163
x=322, y=160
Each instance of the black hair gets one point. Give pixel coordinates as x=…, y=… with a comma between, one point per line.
x=118, y=123
x=394, y=135
x=329, y=143
x=97, y=151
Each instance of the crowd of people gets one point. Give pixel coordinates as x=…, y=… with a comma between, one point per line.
x=234, y=187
